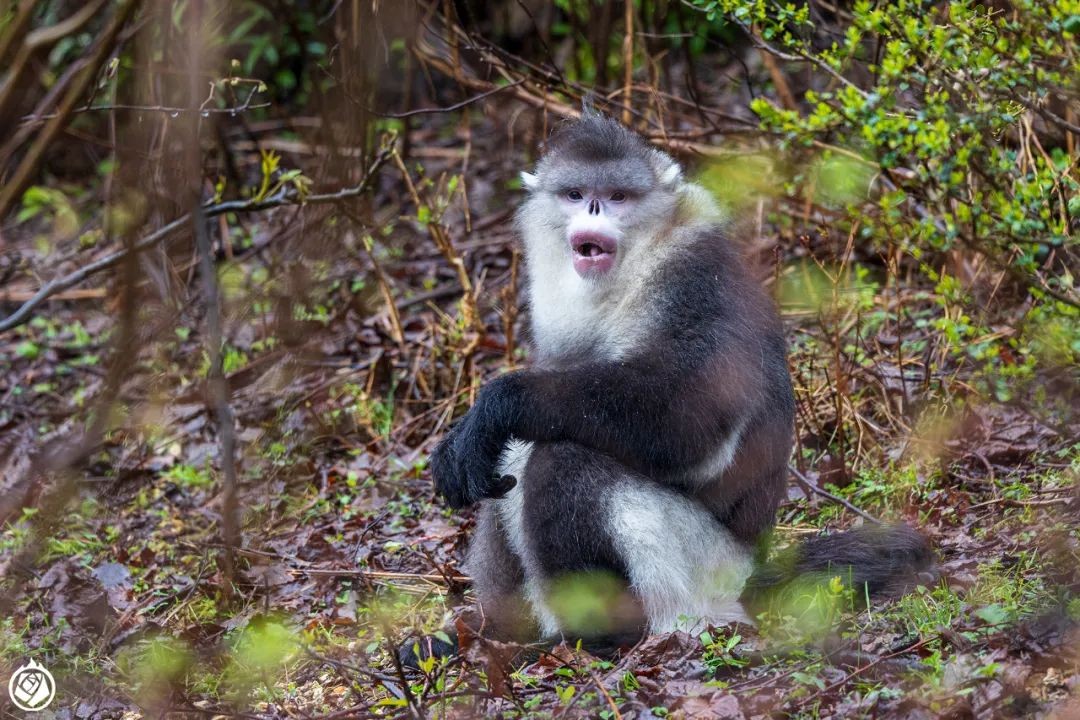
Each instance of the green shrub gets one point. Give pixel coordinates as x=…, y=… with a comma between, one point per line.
x=957, y=114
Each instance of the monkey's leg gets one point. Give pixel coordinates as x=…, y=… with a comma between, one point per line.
x=497, y=577
x=686, y=566
x=498, y=581
x=609, y=553
x=576, y=584
x=496, y=563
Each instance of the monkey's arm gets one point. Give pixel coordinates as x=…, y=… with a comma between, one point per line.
x=651, y=414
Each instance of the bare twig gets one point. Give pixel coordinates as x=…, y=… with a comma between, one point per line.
x=448, y=108
x=628, y=60
x=415, y=710
x=813, y=487
x=16, y=28
x=38, y=41
x=441, y=236
x=246, y=105
x=218, y=388
x=803, y=702
x=96, y=293
x=285, y=197
x=20, y=178
x=783, y=90
x=219, y=393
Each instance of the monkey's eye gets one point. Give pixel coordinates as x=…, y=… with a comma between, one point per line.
x=618, y=196
x=574, y=195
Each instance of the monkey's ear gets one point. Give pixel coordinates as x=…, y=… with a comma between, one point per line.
x=671, y=176
x=529, y=181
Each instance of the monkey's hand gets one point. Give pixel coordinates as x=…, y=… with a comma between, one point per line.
x=464, y=463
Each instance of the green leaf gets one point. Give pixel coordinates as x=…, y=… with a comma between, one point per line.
x=993, y=614
x=28, y=350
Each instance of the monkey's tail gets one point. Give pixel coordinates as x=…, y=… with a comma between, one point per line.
x=873, y=560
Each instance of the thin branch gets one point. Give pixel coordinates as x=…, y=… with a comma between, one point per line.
x=16, y=28
x=285, y=197
x=798, y=56
x=54, y=33
x=219, y=393
x=448, y=108
x=29, y=119
x=543, y=42
x=215, y=377
x=813, y=487
x=37, y=41
x=628, y=60
x=20, y=178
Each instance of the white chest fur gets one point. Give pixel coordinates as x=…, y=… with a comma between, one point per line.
x=574, y=317
x=570, y=317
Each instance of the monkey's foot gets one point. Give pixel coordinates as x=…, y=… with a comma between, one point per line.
x=416, y=650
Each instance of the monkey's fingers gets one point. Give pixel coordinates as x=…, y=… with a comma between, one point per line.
x=448, y=485
x=456, y=499
x=503, y=485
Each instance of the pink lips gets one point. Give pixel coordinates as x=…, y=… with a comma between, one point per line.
x=594, y=254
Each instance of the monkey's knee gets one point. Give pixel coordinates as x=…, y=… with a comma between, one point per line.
x=577, y=580
x=565, y=509
x=414, y=651
x=498, y=578
x=683, y=564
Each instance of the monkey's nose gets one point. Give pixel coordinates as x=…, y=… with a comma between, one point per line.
x=594, y=207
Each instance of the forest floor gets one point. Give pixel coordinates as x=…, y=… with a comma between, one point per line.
x=345, y=548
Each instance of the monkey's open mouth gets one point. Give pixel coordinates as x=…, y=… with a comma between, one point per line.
x=594, y=253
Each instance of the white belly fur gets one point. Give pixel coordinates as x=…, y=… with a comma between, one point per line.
x=685, y=566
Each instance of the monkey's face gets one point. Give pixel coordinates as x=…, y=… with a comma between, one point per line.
x=595, y=218
x=598, y=213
